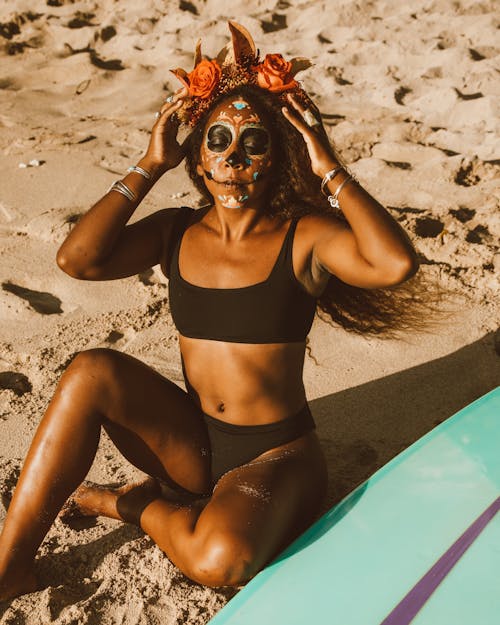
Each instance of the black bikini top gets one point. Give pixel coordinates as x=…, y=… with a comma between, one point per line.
x=277, y=310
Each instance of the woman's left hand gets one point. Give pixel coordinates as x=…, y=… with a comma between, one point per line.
x=321, y=153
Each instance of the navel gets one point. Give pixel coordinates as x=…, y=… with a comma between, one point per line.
x=221, y=407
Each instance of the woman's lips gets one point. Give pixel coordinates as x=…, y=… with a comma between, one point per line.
x=233, y=183
x=230, y=183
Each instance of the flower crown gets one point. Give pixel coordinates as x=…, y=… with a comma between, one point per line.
x=237, y=64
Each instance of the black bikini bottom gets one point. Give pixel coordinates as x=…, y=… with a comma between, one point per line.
x=233, y=445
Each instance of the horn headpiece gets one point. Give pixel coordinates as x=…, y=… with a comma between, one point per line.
x=237, y=64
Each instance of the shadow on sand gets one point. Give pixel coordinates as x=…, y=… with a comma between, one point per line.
x=363, y=427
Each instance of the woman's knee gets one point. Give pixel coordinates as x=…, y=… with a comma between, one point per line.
x=95, y=364
x=97, y=359
x=89, y=373
x=224, y=559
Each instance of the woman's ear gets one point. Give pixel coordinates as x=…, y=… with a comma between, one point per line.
x=199, y=169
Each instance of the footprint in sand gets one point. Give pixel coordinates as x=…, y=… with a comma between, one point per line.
x=468, y=96
x=446, y=40
x=113, y=64
x=463, y=214
x=9, y=471
x=478, y=234
x=41, y=301
x=118, y=339
x=428, y=227
x=13, y=27
x=145, y=277
x=400, y=94
x=114, y=336
x=337, y=74
x=107, y=33
x=466, y=175
x=80, y=20
x=185, y=5
x=479, y=53
x=398, y=164
x=15, y=381
x=277, y=21
x=150, y=277
x=473, y=171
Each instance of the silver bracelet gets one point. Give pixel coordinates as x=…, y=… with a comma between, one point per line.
x=122, y=188
x=141, y=171
x=330, y=175
x=334, y=199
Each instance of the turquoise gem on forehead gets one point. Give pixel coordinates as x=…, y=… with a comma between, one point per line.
x=240, y=105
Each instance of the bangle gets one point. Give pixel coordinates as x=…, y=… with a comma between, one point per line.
x=333, y=199
x=330, y=175
x=122, y=188
x=141, y=171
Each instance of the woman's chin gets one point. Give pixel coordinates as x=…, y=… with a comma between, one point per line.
x=233, y=201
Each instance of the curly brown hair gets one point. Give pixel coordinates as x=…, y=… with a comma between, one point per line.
x=384, y=311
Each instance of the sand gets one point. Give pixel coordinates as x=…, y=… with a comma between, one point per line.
x=410, y=99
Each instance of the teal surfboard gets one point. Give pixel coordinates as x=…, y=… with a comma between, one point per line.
x=419, y=542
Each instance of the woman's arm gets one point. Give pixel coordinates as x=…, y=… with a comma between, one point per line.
x=101, y=246
x=372, y=250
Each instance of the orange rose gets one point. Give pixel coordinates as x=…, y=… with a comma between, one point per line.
x=273, y=74
x=203, y=79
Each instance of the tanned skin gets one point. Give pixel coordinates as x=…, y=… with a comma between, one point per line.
x=225, y=538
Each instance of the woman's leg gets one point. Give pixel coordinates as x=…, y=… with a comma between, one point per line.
x=254, y=512
x=153, y=422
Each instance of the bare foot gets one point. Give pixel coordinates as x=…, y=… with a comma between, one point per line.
x=92, y=500
x=81, y=503
x=17, y=585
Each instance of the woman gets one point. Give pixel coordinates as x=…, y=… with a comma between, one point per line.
x=235, y=464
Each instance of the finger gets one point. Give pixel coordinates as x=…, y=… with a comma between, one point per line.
x=166, y=112
x=307, y=112
x=296, y=120
x=182, y=92
x=310, y=104
x=168, y=107
x=296, y=104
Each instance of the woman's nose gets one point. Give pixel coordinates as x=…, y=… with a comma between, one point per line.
x=235, y=160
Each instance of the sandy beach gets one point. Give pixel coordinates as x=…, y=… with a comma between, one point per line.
x=410, y=98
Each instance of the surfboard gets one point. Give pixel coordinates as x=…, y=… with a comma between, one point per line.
x=418, y=542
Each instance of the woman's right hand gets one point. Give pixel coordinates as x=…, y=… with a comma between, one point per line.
x=164, y=151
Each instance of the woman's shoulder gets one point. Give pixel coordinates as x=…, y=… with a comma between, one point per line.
x=172, y=223
x=176, y=219
x=315, y=224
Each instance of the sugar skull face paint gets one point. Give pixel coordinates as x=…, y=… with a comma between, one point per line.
x=235, y=155
x=253, y=139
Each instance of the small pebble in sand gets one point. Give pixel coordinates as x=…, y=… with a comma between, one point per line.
x=33, y=163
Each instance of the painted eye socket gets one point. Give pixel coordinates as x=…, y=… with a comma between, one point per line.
x=255, y=141
x=219, y=138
